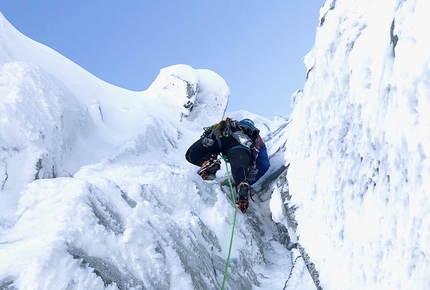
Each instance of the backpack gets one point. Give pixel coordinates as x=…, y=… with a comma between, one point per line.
x=244, y=132
x=227, y=127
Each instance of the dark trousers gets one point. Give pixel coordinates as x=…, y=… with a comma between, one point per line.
x=238, y=156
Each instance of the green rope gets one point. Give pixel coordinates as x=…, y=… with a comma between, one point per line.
x=234, y=223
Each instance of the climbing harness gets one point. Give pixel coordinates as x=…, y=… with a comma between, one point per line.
x=234, y=222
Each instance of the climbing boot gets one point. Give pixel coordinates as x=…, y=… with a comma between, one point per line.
x=209, y=169
x=243, y=190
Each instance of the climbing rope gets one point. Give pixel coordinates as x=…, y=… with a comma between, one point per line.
x=234, y=222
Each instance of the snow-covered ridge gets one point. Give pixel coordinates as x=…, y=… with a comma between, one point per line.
x=52, y=109
x=95, y=189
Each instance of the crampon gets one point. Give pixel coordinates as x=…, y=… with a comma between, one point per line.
x=209, y=169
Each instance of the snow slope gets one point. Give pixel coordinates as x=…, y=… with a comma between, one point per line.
x=359, y=144
x=95, y=189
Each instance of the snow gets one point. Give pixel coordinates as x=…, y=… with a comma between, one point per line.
x=358, y=147
x=96, y=192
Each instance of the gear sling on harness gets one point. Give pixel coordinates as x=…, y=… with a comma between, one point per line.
x=224, y=129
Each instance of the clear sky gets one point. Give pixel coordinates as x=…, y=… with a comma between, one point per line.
x=256, y=46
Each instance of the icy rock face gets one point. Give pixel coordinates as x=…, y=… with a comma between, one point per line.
x=201, y=96
x=359, y=145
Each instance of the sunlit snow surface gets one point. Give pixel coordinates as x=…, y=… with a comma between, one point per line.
x=126, y=211
x=359, y=144
x=96, y=192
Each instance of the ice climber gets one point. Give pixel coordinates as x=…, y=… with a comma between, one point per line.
x=245, y=150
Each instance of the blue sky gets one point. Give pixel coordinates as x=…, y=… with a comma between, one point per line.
x=256, y=46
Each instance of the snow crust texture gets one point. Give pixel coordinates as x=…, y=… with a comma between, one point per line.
x=359, y=144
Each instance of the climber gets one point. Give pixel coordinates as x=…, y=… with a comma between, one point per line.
x=245, y=150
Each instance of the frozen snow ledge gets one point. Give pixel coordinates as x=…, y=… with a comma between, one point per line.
x=359, y=145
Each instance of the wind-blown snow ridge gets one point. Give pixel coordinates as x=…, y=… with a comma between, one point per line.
x=95, y=189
